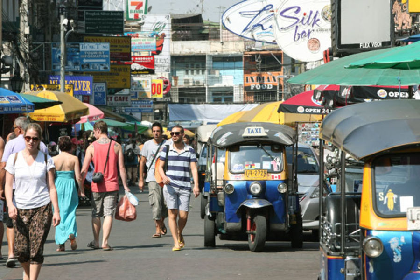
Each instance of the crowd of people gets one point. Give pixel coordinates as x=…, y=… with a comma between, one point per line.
x=43, y=185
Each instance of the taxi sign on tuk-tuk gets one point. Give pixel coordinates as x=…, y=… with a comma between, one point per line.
x=254, y=131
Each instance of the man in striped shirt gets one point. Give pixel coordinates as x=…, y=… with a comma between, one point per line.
x=181, y=163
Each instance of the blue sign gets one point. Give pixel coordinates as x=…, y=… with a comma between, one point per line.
x=142, y=106
x=81, y=84
x=82, y=57
x=99, y=94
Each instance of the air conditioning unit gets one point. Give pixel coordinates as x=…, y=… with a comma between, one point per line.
x=186, y=82
x=197, y=82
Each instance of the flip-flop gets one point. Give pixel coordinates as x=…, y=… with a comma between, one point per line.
x=164, y=230
x=73, y=243
x=181, y=242
x=176, y=249
x=11, y=262
x=107, y=248
x=156, y=235
x=91, y=244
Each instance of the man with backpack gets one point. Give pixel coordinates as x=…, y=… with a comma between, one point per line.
x=131, y=151
x=149, y=155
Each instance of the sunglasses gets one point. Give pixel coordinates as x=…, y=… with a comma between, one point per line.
x=175, y=133
x=29, y=138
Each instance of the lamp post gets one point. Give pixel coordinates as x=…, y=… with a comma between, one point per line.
x=63, y=41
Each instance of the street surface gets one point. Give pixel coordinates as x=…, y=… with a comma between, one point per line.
x=137, y=255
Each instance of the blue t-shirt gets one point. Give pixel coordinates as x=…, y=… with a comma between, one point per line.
x=179, y=165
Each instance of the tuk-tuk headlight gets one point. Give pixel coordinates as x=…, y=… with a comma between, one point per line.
x=255, y=188
x=229, y=188
x=282, y=187
x=373, y=247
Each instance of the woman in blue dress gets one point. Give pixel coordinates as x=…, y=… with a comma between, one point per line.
x=67, y=174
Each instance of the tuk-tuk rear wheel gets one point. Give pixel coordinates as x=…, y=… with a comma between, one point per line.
x=209, y=232
x=258, y=234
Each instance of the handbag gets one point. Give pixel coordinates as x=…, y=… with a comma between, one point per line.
x=125, y=210
x=99, y=176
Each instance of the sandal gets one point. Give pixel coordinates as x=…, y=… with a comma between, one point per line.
x=91, y=244
x=73, y=243
x=60, y=248
x=181, y=242
x=107, y=248
x=164, y=230
x=156, y=235
x=175, y=249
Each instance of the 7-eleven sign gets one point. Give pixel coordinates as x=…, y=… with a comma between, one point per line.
x=135, y=8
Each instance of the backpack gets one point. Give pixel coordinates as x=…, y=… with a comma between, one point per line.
x=130, y=156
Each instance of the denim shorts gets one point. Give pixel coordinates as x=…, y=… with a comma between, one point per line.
x=177, y=198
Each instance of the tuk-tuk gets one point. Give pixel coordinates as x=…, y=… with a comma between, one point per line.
x=370, y=229
x=203, y=133
x=252, y=194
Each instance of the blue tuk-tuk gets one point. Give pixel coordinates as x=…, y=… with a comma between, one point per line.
x=252, y=193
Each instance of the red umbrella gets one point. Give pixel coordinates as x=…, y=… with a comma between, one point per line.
x=303, y=103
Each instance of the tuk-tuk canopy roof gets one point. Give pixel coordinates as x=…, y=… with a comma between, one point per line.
x=203, y=132
x=231, y=134
x=369, y=128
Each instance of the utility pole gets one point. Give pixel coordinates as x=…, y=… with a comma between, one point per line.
x=63, y=53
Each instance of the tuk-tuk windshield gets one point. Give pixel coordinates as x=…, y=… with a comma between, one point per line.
x=256, y=157
x=396, y=183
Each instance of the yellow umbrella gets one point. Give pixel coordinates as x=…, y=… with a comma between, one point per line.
x=71, y=109
x=231, y=118
x=149, y=133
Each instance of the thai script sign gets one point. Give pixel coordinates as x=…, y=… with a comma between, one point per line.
x=143, y=65
x=303, y=28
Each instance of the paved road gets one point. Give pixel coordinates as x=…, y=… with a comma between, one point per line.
x=138, y=256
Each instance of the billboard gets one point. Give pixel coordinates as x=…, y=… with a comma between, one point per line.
x=118, y=100
x=120, y=46
x=373, y=17
x=142, y=41
x=251, y=19
x=82, y=85
x=143, y=65
x=135, y=8
x=118, y=77
x=99, y=94
x=261, y=81
x=141, y=87
x=302, y=28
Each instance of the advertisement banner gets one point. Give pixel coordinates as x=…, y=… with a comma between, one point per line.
x=261, y=81
x=53, y=87
x=302, y=28
x=104, y=22
x=82, y=57
x=135, y=8
x=143, y=105
x=157, y=88
x=159, y=28
x=99, y=94
x=143, y=65
x=119, y=100
x=118, y=77
x=141, y=87
x=82, y=85
x=120, y=46
x=142, y=41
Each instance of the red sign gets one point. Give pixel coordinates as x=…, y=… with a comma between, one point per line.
x=143, y=65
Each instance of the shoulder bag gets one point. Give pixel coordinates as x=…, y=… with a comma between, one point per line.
x=99, y=176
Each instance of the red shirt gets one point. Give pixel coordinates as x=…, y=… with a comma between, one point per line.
x=110, y=182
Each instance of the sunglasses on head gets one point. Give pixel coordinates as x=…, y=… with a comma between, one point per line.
x=29, y=138
x=175, y=133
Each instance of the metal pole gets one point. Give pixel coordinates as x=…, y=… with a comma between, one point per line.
x=63, y=53
x=321, y=185
x=343, y=200
x=278, y=88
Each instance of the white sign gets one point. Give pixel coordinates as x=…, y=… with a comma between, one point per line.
x=302, y=28
x=118, y=100
x=251, y=19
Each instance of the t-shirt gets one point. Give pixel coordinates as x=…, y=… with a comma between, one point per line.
x=149, y=150
x=31, y=190
x=179, y=165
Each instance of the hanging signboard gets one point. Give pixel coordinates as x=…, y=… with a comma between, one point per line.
x=118, y=77
x=157, y=88
x=82, y=85
x=143, y=105
x=302, y=28
x=141, y=87
x=142, y=41
x=118, y=100
x=104, y=22
x=143, y=65
x=251, y=19
x=99, y=94
x=135, y=8
x=120, y=46
x=261, y=81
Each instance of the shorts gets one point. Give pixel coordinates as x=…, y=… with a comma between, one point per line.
x=104, y=204
x=156, y=201
x=31, y=231
x=177, y=198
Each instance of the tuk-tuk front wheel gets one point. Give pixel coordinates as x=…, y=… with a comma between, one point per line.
x=209, y=232
x=258, y=233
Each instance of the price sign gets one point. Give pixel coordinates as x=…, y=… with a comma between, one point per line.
x=157, y=88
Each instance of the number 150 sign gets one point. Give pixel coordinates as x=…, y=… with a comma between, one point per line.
x=157, y=88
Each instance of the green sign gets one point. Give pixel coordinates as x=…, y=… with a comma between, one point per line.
x=104, y=22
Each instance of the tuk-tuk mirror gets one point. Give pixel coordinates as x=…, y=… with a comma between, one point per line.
x=276, y=148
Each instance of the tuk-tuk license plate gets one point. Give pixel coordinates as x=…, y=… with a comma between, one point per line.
x=255, y=174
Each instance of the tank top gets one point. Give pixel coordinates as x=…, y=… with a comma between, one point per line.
x=110, y=182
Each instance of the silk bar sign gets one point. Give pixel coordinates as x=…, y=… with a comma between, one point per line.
x=119, y=100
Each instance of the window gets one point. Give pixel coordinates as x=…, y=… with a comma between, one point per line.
x=255, y=157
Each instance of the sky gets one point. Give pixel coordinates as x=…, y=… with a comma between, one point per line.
x=212, y=9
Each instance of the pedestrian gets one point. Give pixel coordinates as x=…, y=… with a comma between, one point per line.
x=2, y=144
x=181, y=162
x=67, y=169
x=13, y=146
x=108, y=158
x=149, y=155
x=131, y=152
x=31, y=172
x=186, y=139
